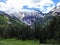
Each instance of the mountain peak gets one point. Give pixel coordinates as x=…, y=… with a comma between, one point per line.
x=55, y=11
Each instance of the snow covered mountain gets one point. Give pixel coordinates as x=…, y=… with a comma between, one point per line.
x=55, y=11
x=27, y=17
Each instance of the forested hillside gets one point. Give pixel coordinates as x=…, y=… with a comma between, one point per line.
x=46, y=31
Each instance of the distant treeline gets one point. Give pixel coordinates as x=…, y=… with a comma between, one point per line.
x=42, y=33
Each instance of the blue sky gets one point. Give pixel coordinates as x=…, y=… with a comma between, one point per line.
x=3, y=1
x=18, y=5
x=56, y=1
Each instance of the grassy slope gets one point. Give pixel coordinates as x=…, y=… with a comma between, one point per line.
x=18, y=42
x=5, y=19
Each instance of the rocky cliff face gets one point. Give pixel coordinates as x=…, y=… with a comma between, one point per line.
x=55, y=11
x=29, y=17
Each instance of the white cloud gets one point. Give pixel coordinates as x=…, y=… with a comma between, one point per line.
x=17, y=5
x=58, y=4
x=49, y=4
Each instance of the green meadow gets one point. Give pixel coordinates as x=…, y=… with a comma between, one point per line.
x=18, y=42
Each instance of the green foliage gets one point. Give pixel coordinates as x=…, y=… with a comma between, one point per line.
x=18, y=42
x=46, y=32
